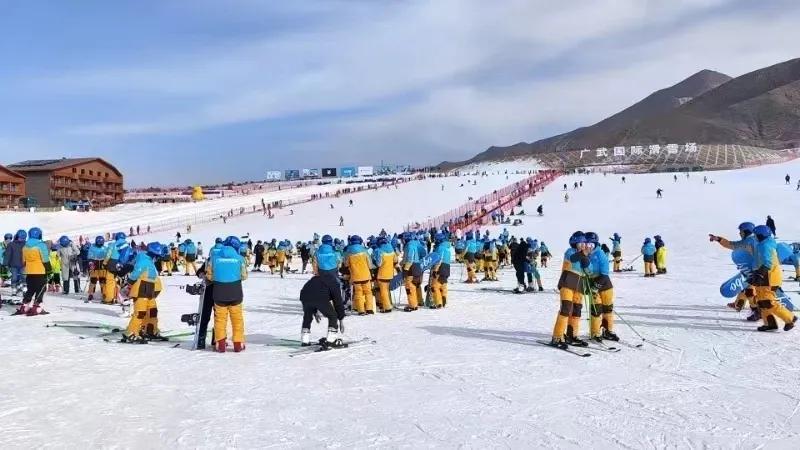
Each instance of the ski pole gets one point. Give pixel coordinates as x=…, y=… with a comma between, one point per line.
x=633, y=260
x=633, y=329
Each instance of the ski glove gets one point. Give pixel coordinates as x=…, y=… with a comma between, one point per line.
x=341, y=326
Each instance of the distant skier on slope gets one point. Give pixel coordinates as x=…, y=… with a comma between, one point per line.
x=788, y=179
x=540, y=210
x=616, y=252
x=658, y=192
x=519, y=259
x=771, y=225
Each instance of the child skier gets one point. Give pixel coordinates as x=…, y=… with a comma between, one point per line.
x=661, y=255
x=602, y=308
x=649, y=255
x=616, y=252
x=748, y=243
x=767, y=277
x=570, y=285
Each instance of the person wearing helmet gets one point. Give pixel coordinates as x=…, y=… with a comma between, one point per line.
x=97, y=267
x=226, y=270
x=258, y=252
x=461, y=250
x=519, y=258
x=190, y=268
x=601, y=322
x=360, y=266
x=13, y=260
x=490, y=260
x=440, y=273
x=68, y=254
x=747, y=242
x=36, y=261
x=532, y=266
x=54, y=278
x=4, y=273
x=661, y=255
x=280, y=256
x=182, y=253
x=616, y=252
x=649, y=256
x=570, y=285
x=326, y=261
x=413, y=253
x=144, y=285
x=766, y=278
x=305, y=255
x=272, y=256
x=470, y=257
x=385, y=259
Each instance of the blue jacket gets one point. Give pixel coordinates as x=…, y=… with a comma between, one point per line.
x=766, y=254
x=143, y=267
x=473, y=246
x=598, y=262
x=414, y=252
x=327, y=258
x=97, y=253
x=616, y=245
x=461, y=245
x=215, y=250
x=227, y=266
x=444, y=252
x=182, y=248
x=543, y=249
x=574, y=266
x=377, y=254
x=13, y=254
x=191, y=249
x=648, y=249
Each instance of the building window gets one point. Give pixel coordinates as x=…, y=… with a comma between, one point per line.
x=74, y=170
x=83, y=171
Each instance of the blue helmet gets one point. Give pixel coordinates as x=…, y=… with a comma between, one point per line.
x=64, y=241
x=762, y=232
x=577, y=238
x=382, y=240
x=356, y=240
x=21, y=235
x=8, y=237
x=120, y=236
x=99, y=241
x=657, y=237
x=647, y=240
x=747, y=227
x=469, y=235
x=591, y=237
x=35, y=233
x=218, y=240
x=232, y=241
x=439, y=238
x=155, y=249
x=327, y=239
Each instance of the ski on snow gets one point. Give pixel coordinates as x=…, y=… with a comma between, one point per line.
x=317, y=348
x=569, y=350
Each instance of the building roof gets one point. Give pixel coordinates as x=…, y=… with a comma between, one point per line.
x=49, y=165
x=11, y=172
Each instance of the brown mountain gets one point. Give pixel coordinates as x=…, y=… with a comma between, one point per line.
x=761, y=109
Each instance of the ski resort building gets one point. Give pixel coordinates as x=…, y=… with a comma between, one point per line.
x=56, y=182
x=12, y=187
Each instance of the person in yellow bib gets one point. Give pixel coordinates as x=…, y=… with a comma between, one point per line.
x=36, y=264
x=226, y=269
x=360, y=267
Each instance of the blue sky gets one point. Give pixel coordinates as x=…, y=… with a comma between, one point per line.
x=197, y=91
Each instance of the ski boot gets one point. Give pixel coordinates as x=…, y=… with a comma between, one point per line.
x=37, y=310
x=558, y=344
x=90, y=298
x=610, y=336
x=530, y=289
x=238, y=347
x=384, y=311
x=305, y=337
x=370, y=312
x=769, y=325
x=520, y=289
x=132, y=339
x=541, y=289
x=410, y=308
x=789, y=325
x=156, y=337
x=22, y=310
x=221, y=346
x=755, y=315
x=733, y=305
x=570, y=339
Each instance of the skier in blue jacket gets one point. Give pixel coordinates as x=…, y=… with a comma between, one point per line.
x=649, y=255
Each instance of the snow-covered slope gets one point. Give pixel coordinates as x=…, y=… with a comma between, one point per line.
x=469, y=376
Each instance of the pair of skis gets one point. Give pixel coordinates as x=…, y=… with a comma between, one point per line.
x=593, y=346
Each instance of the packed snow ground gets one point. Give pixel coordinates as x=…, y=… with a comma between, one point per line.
x=468, y=376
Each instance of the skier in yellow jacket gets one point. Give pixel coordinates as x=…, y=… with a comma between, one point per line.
x=767, y=277
x=360, y=268
x=661, y=255
x=385, y=259
x=748, y=243
x=571, y=286
x=144, y=288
